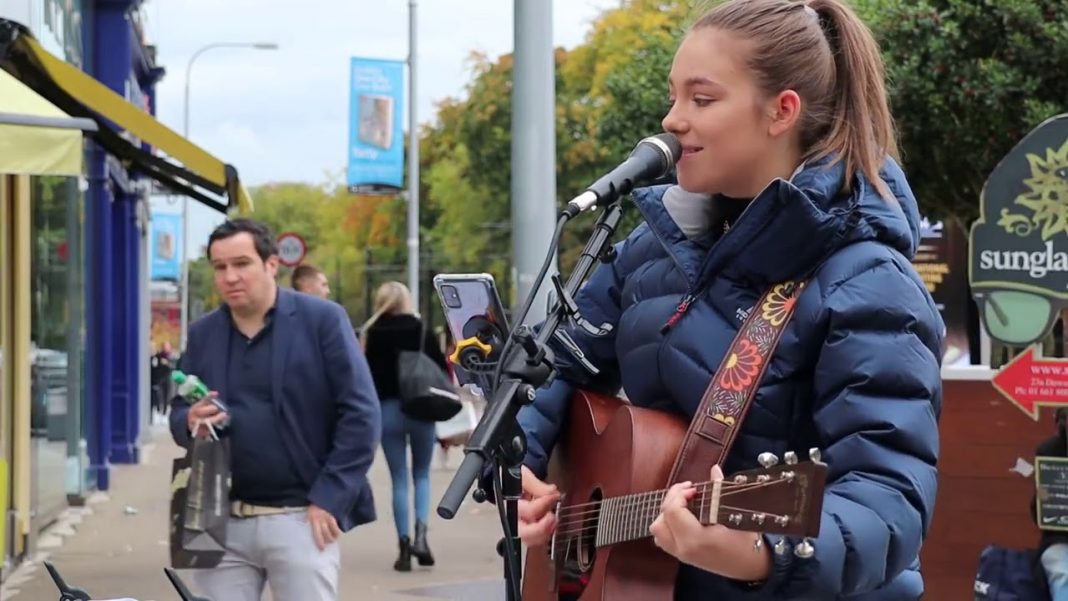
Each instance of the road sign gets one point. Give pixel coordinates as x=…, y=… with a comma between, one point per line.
x=291, y=249
x=1029, y=382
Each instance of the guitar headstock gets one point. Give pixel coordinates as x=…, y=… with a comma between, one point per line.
x=782, y=499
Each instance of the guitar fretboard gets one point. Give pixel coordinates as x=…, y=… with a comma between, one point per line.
x=628, y=517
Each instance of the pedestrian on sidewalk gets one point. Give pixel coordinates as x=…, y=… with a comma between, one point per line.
x=161, y=365
x=392, y=328
x=304, y=423
x=309, y=279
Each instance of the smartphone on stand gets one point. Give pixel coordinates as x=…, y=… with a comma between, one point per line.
x=477, y=325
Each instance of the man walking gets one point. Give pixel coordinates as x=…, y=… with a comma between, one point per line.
x=309, y=279
x=302, y=417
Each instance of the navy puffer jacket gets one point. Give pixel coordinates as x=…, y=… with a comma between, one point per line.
x=856, y=373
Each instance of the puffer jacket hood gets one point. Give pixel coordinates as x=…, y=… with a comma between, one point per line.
x=807, y=217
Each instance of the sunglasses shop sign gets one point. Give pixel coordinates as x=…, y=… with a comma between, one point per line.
x=1018, y=269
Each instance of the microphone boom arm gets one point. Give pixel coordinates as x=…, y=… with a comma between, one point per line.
x=497, y=438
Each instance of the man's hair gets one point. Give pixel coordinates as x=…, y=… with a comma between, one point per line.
x=303, y=272
x=262, y=237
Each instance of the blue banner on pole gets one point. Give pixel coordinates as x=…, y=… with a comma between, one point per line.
x=376, y=133
x=166, y=243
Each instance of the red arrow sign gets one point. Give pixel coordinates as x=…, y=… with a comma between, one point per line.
x=1029, y=382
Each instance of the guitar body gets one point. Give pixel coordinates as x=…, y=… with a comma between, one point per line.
x=610, y=449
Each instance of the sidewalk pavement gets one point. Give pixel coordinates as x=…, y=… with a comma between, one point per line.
x=117, y=545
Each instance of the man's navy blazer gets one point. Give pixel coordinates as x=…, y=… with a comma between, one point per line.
x=322, y=393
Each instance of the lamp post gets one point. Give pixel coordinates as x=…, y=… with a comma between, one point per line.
x=185, y=200
x=413, y=159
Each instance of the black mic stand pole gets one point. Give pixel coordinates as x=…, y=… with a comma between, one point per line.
x=497, y=437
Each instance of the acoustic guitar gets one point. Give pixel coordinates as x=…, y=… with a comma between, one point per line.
x=623, y=457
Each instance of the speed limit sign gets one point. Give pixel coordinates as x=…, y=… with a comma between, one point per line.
x=291, y=249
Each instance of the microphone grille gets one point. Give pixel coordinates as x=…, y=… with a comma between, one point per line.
x=669, y=142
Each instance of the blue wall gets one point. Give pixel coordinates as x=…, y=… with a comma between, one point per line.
x=114, y=289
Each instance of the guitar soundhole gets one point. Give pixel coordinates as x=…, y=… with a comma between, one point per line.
x=577, y=548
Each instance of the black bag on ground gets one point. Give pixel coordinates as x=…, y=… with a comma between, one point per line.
x=200, y=504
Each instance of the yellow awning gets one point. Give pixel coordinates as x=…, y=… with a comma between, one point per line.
x=36, y=138
x=178, y=164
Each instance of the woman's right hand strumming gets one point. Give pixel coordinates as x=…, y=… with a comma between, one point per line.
x=537, y=515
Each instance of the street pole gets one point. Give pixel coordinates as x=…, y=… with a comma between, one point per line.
x=533, y=150
x=185, y=199
x=413, y=162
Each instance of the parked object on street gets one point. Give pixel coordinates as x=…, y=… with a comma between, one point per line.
x=183, y=590
x=68, y=593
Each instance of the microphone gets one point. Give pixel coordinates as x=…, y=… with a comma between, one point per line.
x=650, y=160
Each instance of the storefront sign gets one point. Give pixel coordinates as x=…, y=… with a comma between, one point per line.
x=1051, y=477
x=1018, y=265
x=1029, y=382
x=940, y=261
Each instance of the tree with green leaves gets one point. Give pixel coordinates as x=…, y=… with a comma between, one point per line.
x=968, y=79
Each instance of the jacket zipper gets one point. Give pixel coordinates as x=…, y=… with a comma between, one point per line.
x=680, y=310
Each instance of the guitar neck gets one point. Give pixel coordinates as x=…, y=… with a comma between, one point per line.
x=628, y=517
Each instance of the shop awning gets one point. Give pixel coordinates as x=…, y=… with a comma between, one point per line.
x=36, y=138
x=124, y=128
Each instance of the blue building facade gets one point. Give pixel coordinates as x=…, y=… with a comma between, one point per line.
x=116, y=219
x=74, y=390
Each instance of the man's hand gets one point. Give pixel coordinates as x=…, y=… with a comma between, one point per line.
x=323, y=526
x=203, y=413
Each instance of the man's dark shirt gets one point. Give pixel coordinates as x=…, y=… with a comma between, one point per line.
x=263, y=473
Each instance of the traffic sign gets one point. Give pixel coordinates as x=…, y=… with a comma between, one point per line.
x=291, y=249
x=1029, y=382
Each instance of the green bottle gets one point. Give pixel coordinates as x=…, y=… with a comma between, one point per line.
x=189, y=386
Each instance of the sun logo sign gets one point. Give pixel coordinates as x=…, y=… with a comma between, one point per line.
x=1018, y=265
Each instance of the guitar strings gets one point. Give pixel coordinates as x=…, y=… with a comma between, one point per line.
x=594, y=507
x=567, y=536
x=569, y=520
x=647, y=501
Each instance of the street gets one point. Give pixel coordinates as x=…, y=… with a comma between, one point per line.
x=120, y=547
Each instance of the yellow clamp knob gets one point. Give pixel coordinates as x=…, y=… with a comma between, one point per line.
x=467, y=343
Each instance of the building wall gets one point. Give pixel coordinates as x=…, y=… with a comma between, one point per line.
x=73, y=294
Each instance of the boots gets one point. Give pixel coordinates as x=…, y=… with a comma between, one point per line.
x=420, y=548
x=404, y=561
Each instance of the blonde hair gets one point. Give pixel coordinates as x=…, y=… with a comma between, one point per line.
x=392, y=298
x=823, y=51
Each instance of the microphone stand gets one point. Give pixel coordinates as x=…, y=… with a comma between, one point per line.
x=497, y=439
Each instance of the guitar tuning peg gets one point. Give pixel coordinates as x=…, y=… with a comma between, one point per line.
x=815, y=455
x=780, y=547
x=768, y=460
x=790, y=458
x=805, y=550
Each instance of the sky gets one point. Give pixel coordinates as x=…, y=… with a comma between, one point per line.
x=283, y=115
